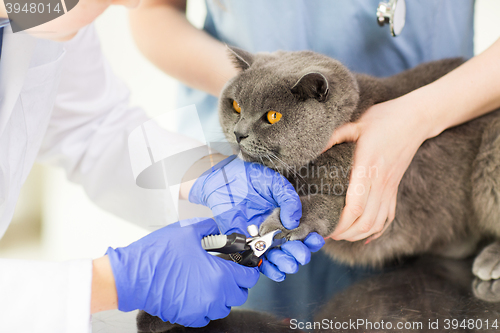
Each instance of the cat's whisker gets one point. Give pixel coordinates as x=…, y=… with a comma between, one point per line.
x=271, y=161
x=261, y=160
x=289, y=168
x=275, y=166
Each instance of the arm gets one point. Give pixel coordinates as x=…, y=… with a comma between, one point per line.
x=66, y=26
x=467, y=92
x=196, y=170
x=3, y=10
x=88, y=136
x=104, y=296
x=164, y=35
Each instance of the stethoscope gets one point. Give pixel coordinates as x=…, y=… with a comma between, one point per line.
x=394, y=13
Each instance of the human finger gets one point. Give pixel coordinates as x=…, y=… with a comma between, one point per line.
x=345, y=133
x=369, y=222
x=283, y=261
x=390, y=219
x=314, y=241
x=298, y=250
x=356, y=200
x=271, y=271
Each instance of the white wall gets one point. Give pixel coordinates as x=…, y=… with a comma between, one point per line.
x=486, y=24
x=72, y=226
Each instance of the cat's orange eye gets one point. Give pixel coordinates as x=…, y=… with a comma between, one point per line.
x=273, y=117
x=236, y=107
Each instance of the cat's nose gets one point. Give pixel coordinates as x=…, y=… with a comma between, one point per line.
x=240, y=136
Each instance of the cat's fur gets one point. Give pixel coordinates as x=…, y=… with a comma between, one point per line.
x=428, y=290
x=448, y=198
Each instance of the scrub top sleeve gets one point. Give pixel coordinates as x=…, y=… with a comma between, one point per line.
x=44, y=297
x=88, y=136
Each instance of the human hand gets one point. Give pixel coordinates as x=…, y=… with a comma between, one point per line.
x=168, y=274
x=242, y=193
x=387, y=137
x=287, y=258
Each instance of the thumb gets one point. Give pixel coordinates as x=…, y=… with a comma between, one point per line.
x=289, y=202
x=346, y=133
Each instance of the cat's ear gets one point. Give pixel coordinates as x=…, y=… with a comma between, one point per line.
x=311, y=85
x=241, y=58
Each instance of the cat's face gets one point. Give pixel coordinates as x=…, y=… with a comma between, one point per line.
x=283, y=107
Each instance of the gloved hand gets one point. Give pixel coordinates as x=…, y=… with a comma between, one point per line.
x=286, y=259
x=242, y=193
x=168, y=274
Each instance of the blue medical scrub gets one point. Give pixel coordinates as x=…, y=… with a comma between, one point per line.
x=346, y=30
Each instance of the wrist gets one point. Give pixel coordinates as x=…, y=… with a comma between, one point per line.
x=197, y=170
x=429, y=104
x=104, y=296
x=204, y=168
x=422, y=113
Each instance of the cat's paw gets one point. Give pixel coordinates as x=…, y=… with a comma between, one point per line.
x=487, y=264
x=488, y=291
x=273, y=222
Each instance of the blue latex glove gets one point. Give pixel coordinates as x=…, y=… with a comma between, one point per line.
x=168, y=274
x=242, y=193
x=286, y=259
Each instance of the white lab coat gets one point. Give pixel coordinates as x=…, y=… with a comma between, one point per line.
x=60, y=102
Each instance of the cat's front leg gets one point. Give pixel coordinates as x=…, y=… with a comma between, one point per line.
x=320, y=213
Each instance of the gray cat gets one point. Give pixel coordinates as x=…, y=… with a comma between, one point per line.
x=281, y=111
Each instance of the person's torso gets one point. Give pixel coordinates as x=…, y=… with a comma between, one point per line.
x=346, y=30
